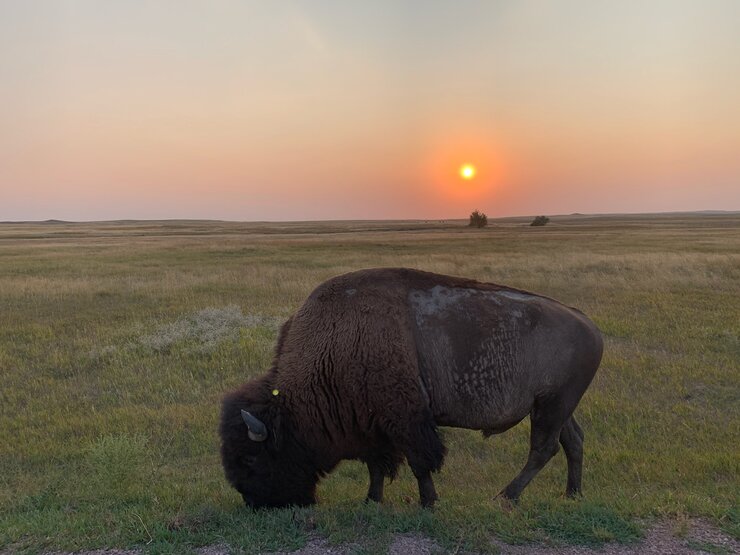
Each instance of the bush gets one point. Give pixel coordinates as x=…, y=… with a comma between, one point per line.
x=540, y=220
x=478, y=219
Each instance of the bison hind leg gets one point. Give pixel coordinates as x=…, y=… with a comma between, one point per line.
x=548, y=419
x=571, y=438
x=381, y=464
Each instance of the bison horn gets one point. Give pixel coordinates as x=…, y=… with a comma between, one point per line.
x=256, y=429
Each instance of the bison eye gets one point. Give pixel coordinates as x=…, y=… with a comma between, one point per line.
x=249, y=460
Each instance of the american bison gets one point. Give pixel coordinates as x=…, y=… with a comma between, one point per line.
x=375, y=360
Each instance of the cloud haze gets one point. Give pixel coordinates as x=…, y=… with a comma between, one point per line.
x=331, y=110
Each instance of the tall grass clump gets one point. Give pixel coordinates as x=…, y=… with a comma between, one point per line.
x=119, y=465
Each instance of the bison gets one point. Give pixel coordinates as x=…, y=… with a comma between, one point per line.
x=375, y=360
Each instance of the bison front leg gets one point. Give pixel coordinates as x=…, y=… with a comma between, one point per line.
x=377, y=477
x=383, y=464
x=425, y=454
x=427, y=492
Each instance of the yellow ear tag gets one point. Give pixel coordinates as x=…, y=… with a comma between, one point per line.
x=275, y=392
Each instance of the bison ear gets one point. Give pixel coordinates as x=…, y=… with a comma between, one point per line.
x=255, y=428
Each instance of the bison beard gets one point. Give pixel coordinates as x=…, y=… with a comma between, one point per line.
x=375, y=360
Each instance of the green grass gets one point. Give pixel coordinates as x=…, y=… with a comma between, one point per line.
x=118, y=339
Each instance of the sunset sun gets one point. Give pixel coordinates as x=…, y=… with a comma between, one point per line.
x=467, y=171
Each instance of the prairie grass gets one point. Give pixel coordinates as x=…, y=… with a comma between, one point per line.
x=117, y=340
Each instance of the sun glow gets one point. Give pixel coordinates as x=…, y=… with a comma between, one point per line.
x=467, y=171
x=462, y=169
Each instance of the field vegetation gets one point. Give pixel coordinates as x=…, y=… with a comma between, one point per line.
x=118, y=339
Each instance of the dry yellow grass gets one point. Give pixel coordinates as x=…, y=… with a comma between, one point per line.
x=87, y=382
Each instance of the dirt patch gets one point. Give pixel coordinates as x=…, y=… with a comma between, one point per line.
x=93, y=552
x=663, y=538
x=696, y=536
x=402, y=544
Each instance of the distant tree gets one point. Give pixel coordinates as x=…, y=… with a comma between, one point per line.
x=540, y=220
x=478, y=219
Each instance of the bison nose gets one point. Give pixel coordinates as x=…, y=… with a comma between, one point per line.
x=248, y=501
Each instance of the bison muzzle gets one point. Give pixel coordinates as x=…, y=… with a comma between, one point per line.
x=375, y=360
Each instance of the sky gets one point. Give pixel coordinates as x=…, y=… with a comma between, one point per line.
x=244, y=110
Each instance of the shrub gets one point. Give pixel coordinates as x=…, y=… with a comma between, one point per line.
x=478, y=219
x=540, y=220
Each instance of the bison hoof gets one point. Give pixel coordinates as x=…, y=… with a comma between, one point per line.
x=507, y=502
x=506, y=505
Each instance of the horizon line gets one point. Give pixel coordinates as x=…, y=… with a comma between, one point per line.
x=572, y=214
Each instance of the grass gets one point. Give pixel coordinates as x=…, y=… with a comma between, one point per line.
x=118, y=339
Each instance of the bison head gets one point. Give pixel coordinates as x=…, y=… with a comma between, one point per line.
x=260, y=456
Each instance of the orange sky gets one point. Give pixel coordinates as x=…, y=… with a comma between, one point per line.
x=319, y=110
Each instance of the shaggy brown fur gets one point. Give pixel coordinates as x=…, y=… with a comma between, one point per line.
x=353, y=383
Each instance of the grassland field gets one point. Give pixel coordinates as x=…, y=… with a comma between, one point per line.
x=118, y=339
